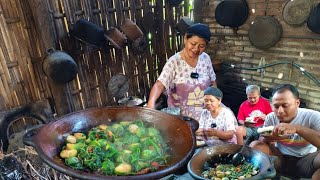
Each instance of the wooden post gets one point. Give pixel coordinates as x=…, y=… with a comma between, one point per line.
x=41, y=13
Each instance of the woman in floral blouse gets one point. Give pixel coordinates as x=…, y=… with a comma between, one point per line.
x=217, y=123
x=187, y=74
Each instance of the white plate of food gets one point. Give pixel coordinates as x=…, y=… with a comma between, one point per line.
x=250, y=120
x=201, y=143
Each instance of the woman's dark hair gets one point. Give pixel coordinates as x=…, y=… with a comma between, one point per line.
x=286, y=87
x=189, y=35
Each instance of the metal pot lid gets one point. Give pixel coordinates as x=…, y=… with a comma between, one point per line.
x=130, y=101
x=265, y=32
x=118, y=85
x=296, y=12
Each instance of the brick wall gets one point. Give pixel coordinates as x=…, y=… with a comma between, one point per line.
x=228, y=47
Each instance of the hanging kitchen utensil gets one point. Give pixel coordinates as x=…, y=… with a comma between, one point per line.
x=139, y=46
x=296, y=12
x=137, y=40
x=265, y=31
x=117, y=38
x=131, y=30
x=313, y=22
x=88, y=32
x=232, y=13
x=118, y=86
x=59, y=66
x=183, y=24
x=91, y=33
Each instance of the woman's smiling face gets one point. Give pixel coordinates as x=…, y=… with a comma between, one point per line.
x=194, y=46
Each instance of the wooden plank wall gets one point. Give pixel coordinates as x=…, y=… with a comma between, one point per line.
x=23, y=50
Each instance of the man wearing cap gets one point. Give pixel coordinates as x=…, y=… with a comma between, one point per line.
x=187, y=74
x=217, y=123
x=252, y=114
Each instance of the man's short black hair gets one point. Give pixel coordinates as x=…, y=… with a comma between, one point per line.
x=283, y=87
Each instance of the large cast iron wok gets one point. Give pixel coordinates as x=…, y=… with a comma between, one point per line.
x=48, y=140
x=223, y=154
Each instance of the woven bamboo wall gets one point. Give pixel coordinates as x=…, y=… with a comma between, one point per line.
x=20, y=79
x=23, y=48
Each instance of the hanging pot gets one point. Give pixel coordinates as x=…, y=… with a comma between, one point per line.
x=265, y=32
x=232, y=13
x=296, y=12
x=314, y=20
x=59, y=66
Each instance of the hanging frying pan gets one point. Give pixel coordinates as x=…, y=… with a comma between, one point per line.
x=232, y=13
x=265, y=32
x=118, y=86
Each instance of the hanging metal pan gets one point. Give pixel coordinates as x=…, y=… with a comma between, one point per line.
x=118, y=86
x=296, y=12
x=265, y=32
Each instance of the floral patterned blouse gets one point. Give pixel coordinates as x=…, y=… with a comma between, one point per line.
x=182, y=90
x=225, y=121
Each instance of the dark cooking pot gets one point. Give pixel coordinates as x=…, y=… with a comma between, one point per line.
x=49, y=139
x=59, y=66
x=223, y=154
x=232, y=13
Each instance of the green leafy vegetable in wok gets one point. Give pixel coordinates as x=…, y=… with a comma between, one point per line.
x=125, y=148
x=229, y=171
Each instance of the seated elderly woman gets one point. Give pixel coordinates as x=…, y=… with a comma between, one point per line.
x=217, y=123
